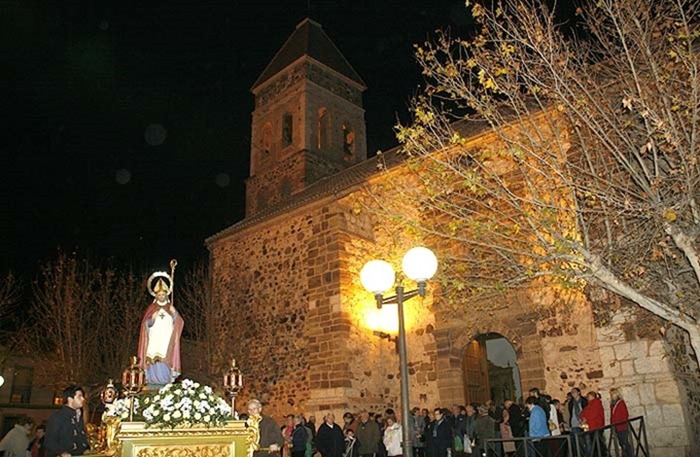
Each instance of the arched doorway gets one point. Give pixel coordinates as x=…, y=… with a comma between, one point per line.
x=490, y=370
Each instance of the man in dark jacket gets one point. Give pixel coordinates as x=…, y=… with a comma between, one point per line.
x=368, y=435
x=271, y=438
x=515, y=418
x=442, y=438
x=330, y=441
x=65, y=431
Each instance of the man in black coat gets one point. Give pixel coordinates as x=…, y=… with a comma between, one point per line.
x=330, y=441
x=515, y=418
x=65, y=431
x=442, y=438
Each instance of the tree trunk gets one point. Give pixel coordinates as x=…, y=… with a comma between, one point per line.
x=613, y=283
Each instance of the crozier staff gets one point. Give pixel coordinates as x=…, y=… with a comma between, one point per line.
x=161, y=328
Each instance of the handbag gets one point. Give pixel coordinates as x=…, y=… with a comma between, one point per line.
x=459, y=447
x=467, y=445
x=552, y=425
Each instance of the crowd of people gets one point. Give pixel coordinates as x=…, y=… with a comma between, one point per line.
x=463, y=430
x=62, y=436
x=457, y=432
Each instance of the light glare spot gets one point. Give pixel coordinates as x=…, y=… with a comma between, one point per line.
x=122, y=176
x=222, y=180
x=155, y=134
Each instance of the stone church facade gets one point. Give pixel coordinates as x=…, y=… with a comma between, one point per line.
x=302, y=326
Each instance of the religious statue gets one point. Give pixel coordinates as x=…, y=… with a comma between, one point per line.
x=161, y=327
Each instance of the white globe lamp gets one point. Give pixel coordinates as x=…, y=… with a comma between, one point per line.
x=377, y=276
x=419, y=264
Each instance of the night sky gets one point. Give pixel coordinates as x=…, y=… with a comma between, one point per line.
x=126, y=124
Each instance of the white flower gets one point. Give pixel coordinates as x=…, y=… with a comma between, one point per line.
x=188, y=401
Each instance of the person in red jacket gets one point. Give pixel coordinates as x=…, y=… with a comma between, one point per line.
x=593, y=414
x=592, y=420
x=619, y=415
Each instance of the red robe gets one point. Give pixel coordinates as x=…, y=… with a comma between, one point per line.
x=172, y=358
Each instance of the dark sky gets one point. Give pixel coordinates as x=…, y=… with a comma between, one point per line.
x=126, y=124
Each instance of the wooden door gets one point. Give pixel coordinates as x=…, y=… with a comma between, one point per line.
x=475, y=373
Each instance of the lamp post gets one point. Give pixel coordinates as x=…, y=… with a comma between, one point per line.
x=377, y=276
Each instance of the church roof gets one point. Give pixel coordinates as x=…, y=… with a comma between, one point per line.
x=309, y=39
x=339, y=183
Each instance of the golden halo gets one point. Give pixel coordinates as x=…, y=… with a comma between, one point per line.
x=156, y=275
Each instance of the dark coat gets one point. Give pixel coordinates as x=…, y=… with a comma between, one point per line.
x=65, y=432
x=441, y=439
x=368, y=437
x=428, y=435
x=300, y=436
x=330, y=441
x=570, y=404
x=269, y=434
x=516, y=420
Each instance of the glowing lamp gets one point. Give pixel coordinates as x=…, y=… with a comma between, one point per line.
x=377, y=276
x=419, y=264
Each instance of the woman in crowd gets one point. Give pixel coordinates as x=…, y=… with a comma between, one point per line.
x=619, y=415
x=393, y=437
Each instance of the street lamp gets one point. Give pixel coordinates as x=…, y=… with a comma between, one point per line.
x=377, y=276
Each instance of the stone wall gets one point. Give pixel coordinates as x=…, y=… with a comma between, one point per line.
x=260, y=278
x=274, y=184
x=639, y=367
x=684, y=362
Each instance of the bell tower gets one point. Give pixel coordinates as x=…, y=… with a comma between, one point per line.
x=308, y=122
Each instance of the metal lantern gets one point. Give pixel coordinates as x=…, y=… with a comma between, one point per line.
x=233, y=383
x=109, y=393
x=133, y=380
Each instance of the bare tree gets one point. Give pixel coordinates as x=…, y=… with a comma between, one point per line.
x=585, y=167
x=10, y=296
x=206, y=322
x=85, y=320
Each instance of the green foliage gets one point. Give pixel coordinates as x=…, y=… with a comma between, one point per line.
x=540, y=154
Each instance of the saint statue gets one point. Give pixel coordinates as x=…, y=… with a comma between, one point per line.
x=161, y=327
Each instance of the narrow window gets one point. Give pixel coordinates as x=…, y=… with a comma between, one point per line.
x=348, y=141
x=324, y=128
x=266, y=149
x=287, y=131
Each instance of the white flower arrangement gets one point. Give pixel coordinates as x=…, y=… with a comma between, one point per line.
x=120, y=408
x=187, y=403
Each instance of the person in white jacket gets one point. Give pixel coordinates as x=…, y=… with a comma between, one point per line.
x=554, y=423
x=393, y=437
x=16, y=441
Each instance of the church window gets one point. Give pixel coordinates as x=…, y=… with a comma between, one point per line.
x=348, y=141
x=324, y=128
x=286, y=188
x=22, y=385
x=266, y=141
x=287, y=132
